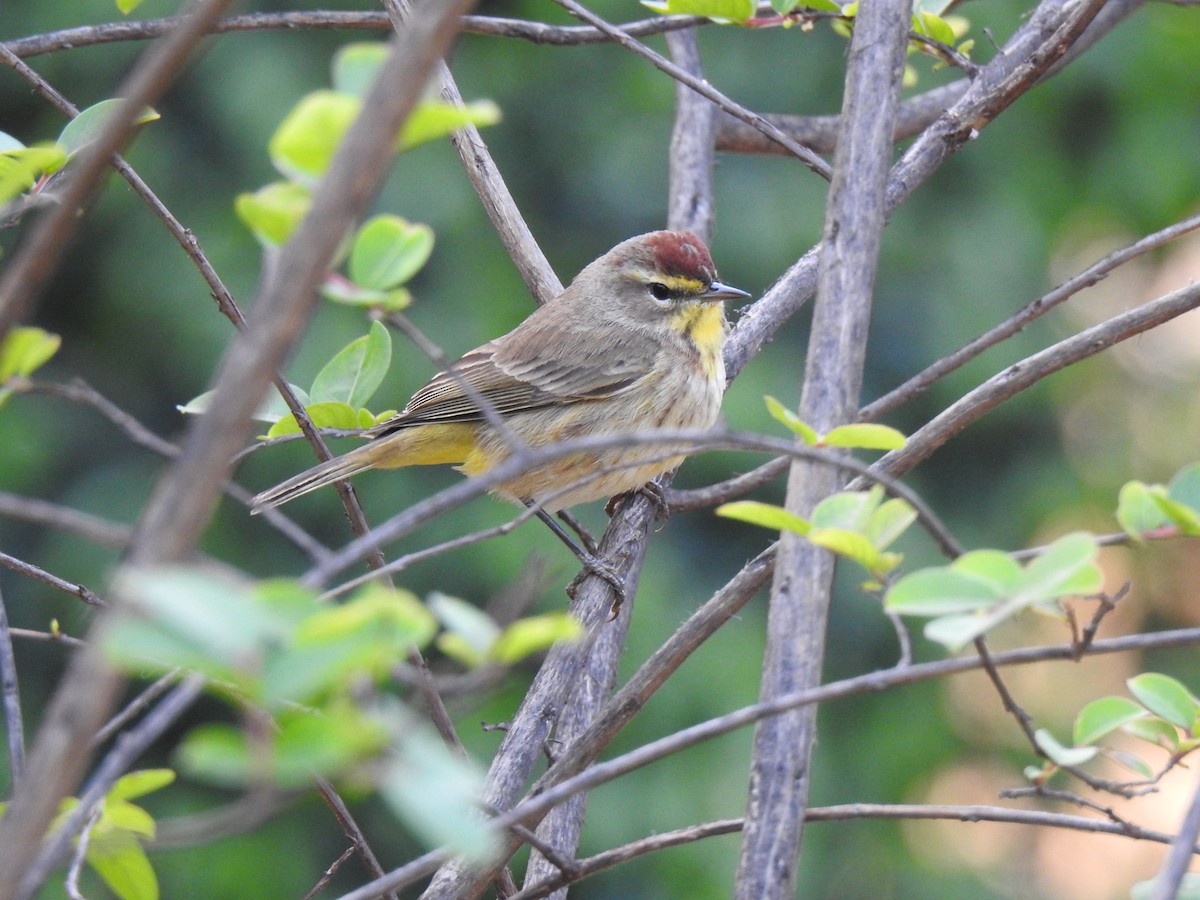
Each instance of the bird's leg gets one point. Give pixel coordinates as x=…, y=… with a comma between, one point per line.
x=592, y=565
x=589, y=542
x=652, y=490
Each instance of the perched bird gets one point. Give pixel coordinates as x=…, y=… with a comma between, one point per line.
x=633, y=344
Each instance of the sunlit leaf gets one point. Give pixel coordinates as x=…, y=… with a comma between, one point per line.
x=471, y=624
x=533, y=634
x=791, y=421
x=865, y=436
x=1060, y=755
x=435, y=119
x=330, y=414
x=889, y=521
x=25, y=349
x=356, y=371
x=940, y=591
x=1066, y=567
x=717, y=10
x=21, y=167
x=773, y=517
x=119, y=859
x=139, y=783
x=273, y=211
x=88, y=125
x=1166, y=697
x=388, y=251
x=1137, y=513
x=1102, y=716
x=304, y=143
x=356, y=65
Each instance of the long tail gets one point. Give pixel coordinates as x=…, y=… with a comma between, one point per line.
x=357, y=460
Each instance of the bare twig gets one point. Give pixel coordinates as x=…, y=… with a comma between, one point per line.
x=1183, y=848
x=69, y=587
x=136, y=706
x=78, y=858
x=329, y=872
x=52, y=515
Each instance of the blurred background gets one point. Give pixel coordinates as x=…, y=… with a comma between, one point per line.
x=1101, y=155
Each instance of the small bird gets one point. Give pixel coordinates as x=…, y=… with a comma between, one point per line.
x=632, y=344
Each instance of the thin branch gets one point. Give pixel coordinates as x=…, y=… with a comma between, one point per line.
x=350, y=827
x=53, y=515
x=521, y=29
x=329, y=872
x=730, y=489
x=136, y=706
x=1092, y=275
x=14, y=721
x=75, y=870
x=1023, y=375
x=701, y=87
x=530, y=809
x=38, y=574
x=1183, y=847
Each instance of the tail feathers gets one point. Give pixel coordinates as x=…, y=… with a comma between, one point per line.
x=358, y=460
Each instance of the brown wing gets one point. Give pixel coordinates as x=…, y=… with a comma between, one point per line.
x=512, y=376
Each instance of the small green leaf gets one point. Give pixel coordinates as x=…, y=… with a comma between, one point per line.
x=125, y=816
x=1131, y=762
x=850, y=544
x=865, y=436
x=1155, y=731
x=273, y=211
x=1137, y=513
x=954, y=632
x=346, y=292
x=717, y=10
x=21, y=167
x=1060, y=755
x=1102, y=716
x=119, y=859
x=850, y=510
x=330, y=414
x=940, y=591
x=304, y=143
x=1166, y=697
x=137, y=784
x=355, y=66
x=994, y=568
x=1184, y=517
x=87, y=126
x=435, y=119
x=1066, y=567
x=128, y=6
x=468, y=622
x=791, y=421
x=355, y=373
x=388, y=251
x=24, y=350
x=533, y=634
x=773, y=517
x=889, y=522
x=1184, y=487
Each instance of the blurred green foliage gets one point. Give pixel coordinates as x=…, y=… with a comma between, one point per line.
x=1098, y=156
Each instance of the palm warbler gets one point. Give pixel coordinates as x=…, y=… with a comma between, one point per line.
x=634, y=343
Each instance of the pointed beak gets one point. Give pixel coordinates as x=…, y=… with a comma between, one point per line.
x=718, y=291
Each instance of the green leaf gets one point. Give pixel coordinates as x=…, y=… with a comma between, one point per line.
x=850, y=510
x=304, y=143
x=852, y=545
x=24, y=350
x=388, y=251
x=341, y=290
x=123, y=815
x=21, y=167
x=355, y=66
x=433, y=119
x=773, y=517
x=1155, y=731
x=436, y=793
x=474, y=628
x=325, y=743
x=329, y=414
x=272, y=409
x=1184, y=517
x=889, y=522
x=994, y=568
x=87, y=126
x=941, y=591
x=1131, y=762
x=934, y=26
x=137, y=784
x=1060, y=755
x=791, y=421
x=533, y=634
x=865, y=436
x=717, y=10
x=119, y=859
x=954, y=632
x=128, y=6
x=1137, y=513
x=1104, y=715
x=355, y=373
x=273, y=211
x=1066, y=567
x=215, y=753
x=1184, y=487
x=1165, y=697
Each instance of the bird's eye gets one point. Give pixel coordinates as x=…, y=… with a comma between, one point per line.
x=660, y=291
